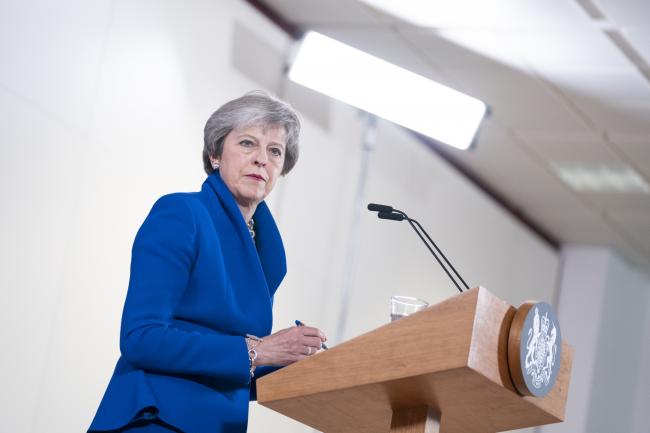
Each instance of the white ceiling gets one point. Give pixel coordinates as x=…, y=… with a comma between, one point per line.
x=560, y=88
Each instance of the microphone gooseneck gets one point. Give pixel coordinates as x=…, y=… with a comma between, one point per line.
x=389, y=213
x=443, y=256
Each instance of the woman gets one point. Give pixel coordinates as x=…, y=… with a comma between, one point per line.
x=204, y=269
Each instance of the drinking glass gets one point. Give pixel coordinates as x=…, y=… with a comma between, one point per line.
x=401, y=306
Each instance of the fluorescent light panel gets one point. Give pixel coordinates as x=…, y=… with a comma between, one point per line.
x=386, y=90
x=601, y=178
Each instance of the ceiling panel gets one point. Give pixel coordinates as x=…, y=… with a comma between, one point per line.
x=626, y=14
x=558, y=87
x=636, y=149
x=575, y=150
x=381, y=42
x=639, y=38
x=621, y=118
x=499, y=161
x=639, y=221
x=466, y=47
x=634, y=256
x=493, y=14
x=533, y=192
x=636, y=253
x=519, y=100
x=635, y=223
x=550, y=135
x=310, y=12
x=611, y=203
x=570, y=52
x=490, y=131
x=576, y=224
x=622, y=87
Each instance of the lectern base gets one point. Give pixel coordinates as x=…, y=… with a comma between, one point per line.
x=415, y=420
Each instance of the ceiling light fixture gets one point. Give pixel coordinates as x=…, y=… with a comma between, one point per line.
x=386, y=90
x=600, y=178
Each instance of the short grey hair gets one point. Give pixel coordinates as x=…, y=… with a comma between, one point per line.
x=253, y=109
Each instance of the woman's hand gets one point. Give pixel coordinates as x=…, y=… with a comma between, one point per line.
x=289, y=345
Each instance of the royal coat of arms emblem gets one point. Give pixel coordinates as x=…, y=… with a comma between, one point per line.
x=541, y=350
x=534, y=348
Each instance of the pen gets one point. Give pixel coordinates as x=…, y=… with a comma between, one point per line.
x=323, y=345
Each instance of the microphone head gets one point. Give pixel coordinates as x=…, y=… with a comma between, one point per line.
x=390, y=216
x=379, y=207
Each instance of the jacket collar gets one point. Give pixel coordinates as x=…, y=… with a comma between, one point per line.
x=267, y=251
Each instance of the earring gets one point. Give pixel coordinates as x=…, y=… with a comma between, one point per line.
x=215, y=165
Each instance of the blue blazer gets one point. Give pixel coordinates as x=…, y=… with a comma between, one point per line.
x=198, y=285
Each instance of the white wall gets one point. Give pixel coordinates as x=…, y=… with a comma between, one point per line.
x=604, y=311
x=103, y=104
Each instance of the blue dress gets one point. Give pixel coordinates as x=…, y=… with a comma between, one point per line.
x=198, y=285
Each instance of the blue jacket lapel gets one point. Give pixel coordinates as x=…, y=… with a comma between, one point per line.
x=269, y=247
x=266, y=255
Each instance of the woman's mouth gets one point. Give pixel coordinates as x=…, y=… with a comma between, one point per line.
x=256, y=177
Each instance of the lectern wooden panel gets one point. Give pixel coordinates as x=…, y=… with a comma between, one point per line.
x=450, y=358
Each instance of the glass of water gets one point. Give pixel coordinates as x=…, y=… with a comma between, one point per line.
x=402, y=306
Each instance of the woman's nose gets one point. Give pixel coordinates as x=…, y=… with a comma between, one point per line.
x=261, y=158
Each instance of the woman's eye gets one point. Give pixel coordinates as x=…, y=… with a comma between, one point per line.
x=276, y=152
x=246, y=143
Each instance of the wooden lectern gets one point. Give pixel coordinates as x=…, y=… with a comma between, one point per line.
x=443, y=369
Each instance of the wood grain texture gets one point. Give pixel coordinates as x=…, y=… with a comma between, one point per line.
x=396, y=350
x=415, y=420
x=451, y=357
x=514, y=341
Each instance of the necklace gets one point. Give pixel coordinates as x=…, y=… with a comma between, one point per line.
x=251, y=227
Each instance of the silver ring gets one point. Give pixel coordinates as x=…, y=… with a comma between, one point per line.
x=308, y=350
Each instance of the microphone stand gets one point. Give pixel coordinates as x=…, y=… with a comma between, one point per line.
x=387, y=212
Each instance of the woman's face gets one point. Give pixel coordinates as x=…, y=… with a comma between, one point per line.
x=251, y=161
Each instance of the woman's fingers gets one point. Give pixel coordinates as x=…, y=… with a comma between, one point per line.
x=290, y=345
x=314, y=342
x=313, y=332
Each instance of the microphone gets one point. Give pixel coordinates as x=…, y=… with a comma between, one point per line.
x=379, y=208
x=390, y=216
x=389, y=213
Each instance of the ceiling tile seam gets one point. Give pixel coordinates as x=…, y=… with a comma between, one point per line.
x=631, y=54
x=566, y=99
x=630, y=238
x=370, y=11
x=319, y=25
x=623, y=45
x=543, y=163
x=611, y=145
x=646, y=73
x=617, y=38
x=384, y=19
x=538, y=159
x=575, y=111
x=623, y=235
x=489, y=190
x=422, y=56
x=590, y=8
